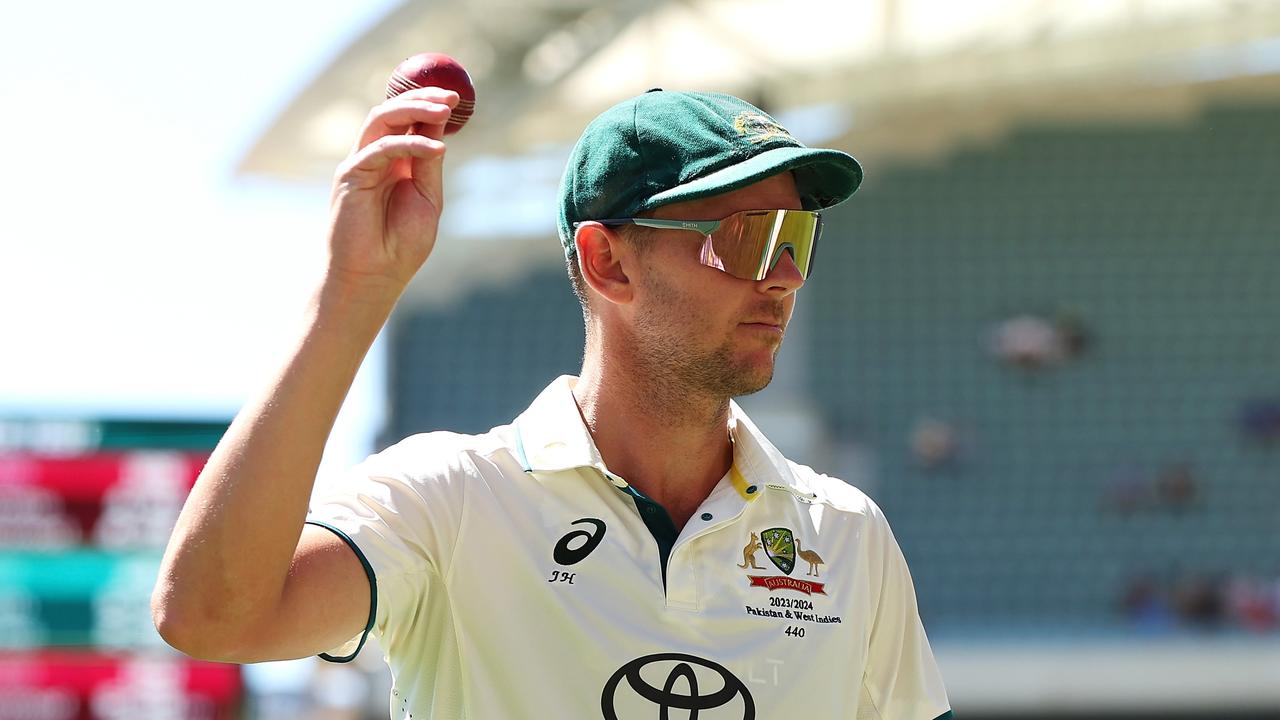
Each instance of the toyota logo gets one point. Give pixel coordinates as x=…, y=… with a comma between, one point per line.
x=680, y=690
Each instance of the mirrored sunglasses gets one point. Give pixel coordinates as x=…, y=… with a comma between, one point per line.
x=747, y=244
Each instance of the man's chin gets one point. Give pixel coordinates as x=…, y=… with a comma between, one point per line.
x=753, y=380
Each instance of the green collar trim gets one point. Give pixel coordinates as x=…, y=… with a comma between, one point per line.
x=660, y=525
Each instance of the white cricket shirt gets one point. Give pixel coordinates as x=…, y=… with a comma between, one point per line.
x=515, y=577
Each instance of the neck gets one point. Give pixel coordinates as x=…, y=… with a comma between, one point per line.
x=667, y=442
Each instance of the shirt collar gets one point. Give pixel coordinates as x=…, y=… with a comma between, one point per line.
x=551, y=437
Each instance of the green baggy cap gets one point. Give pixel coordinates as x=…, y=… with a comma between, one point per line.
x=664, y=147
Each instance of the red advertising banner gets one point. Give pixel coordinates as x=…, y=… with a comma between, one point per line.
x=92, y=477
x=54, y=685
x=116, y=500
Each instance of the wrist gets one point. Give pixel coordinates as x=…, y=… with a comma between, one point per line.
x=343, y=302
x=358, y=291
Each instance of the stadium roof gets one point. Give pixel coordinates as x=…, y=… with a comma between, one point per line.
x=543, y=69
x=878, y=78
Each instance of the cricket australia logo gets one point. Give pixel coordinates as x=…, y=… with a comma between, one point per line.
x=782, y=549
x=780, y=546
x=758, y=128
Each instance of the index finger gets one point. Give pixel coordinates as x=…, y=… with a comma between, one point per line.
x=433, y=130
x=396, y=115
x=404, y=116
x=432, y=94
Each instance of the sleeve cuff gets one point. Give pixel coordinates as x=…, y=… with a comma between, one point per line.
x=373, y=593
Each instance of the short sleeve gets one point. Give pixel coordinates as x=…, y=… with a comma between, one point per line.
x=399, y=511
x=902, y=681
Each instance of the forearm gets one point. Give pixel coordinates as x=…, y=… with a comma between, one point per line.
x=226, y=563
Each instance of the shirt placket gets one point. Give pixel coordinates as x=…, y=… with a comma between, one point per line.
x=676, y=553
x=718, y=512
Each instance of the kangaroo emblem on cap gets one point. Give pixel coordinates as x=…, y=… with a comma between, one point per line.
x=759, y=128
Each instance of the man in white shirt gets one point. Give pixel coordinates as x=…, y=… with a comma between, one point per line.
x=628, y=546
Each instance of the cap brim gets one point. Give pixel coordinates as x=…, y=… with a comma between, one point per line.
x=823, y=177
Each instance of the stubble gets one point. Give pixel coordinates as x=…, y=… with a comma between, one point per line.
x=681, y=376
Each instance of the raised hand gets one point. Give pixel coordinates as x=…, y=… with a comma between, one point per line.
x=388, y=193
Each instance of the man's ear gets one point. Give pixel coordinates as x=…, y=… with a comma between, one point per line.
x=604, y=261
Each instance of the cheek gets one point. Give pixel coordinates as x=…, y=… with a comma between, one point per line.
x=683, y=304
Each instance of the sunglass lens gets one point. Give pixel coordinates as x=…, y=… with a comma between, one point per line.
x=798, y=232
x=748, y=244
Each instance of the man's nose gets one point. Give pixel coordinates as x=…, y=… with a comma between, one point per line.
x=784, y=277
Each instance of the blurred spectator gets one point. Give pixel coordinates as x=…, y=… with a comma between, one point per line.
x=1076, y=338
x=935, y=443
x=1250, y=604
x=1034, y=342
x=1272, y=589
x=1176, y=487
x=1245, y=602
x=1198, y=601
x=1259, y=419
x=1146, y=604
x=1028, y=342
x=1127, y=492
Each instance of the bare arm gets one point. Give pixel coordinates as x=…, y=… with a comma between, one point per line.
x=241, y=579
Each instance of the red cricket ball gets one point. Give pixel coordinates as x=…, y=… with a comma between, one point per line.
x=436, y=70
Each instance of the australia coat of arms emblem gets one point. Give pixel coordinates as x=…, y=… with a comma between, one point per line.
x=782, y=549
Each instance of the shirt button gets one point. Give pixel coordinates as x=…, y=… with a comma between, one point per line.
x=752, y=490
x=706, y=517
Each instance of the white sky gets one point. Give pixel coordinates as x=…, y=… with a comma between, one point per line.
x=138, y=277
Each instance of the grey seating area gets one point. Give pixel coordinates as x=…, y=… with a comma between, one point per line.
x=479, y=362
x=1131, y=480
x=1161, y=244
